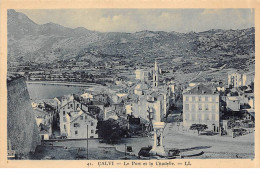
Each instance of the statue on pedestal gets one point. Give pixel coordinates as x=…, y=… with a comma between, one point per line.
x=158, y=126
x=158, y=148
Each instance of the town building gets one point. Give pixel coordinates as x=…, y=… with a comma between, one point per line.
x=237, y=79
x=109, y=112
x=67, y=104
x=80, y=124
x=137, y=103
x=201, y=106
x=233, y=103
x=142, y=74
x=44, y=120
x=248, y=78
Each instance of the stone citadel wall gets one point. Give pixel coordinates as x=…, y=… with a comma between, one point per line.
x=22, y=129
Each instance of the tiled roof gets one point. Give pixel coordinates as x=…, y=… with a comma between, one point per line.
x=59, y=98
x=199, y=79
x=142, y=86
x=76, y=114
x=201, y=90
x=39, y=113
x=233, y=98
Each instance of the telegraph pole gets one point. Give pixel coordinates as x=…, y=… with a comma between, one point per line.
x=87, y=141
x=125, y=151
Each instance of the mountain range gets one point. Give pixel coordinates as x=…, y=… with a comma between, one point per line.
x=28, y=41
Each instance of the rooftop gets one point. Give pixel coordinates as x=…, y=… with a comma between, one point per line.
x=201, y=90
x=199, y=79
x=75, y=114
x=233, y=98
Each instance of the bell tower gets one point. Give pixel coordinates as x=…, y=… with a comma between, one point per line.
x=155, y=75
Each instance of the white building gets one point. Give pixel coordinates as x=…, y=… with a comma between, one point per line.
x=67, y=104
x=142, y=74
x=233, y=103
x=201, y=106
x=80, y=124
x=236, y=79
x=248, y=78
x=139, y=106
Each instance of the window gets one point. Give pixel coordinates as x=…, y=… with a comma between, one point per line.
x=92, y=131
x=193, y=98
x=213, y=99
x=77, y=105
x=199, y=117
x=206, y=98
x=64, y=112
x=213, y=107
x=91, y=136
x=187, y=116
x=65, y=126
x=76, y=132
x=64, y=119
x=213, y=117
x=193, y=116
x=206, y=117
x=206, y=107
x=199, y=98
x=200, y=107
x=92, y=124
x=193, y=107
x=81, y=117
x=187, y=98
x=190, y=117
x=187, y=107
x=71, y=105
x=76, y=124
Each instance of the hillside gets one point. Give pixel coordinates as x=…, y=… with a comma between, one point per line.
x=28, y=41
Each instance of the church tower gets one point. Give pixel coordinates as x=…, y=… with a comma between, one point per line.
x=155, y=75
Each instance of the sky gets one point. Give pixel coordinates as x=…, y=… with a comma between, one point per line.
x=134, y=20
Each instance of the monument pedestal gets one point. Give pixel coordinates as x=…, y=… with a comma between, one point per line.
x=158, y=148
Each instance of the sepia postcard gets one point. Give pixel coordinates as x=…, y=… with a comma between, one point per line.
x=129, y=84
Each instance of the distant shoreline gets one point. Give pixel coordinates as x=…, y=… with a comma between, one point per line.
x=61, y=83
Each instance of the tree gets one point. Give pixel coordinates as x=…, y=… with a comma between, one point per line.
x=198, y=127
x=110, y=131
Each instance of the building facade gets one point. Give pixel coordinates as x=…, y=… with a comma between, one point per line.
x=236, y=79
x=142, y=74
x=201, y=105
x=69, y=103
x=80, y=125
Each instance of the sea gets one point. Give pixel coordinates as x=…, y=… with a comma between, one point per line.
x=50, y=91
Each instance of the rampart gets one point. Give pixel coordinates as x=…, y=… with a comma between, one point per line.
x=22, y=131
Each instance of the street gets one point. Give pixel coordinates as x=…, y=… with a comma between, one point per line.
x=188, y=143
